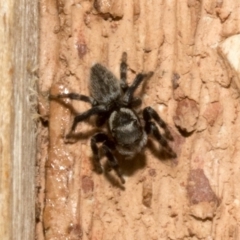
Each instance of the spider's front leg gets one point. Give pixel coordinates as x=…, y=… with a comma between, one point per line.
x=92, y=111
x=102, y=118
x=123, y=72
x=128, y=96
x=108, y=146
x=151, y=128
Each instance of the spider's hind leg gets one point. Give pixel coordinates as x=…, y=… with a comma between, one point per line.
x=151, y=128
x=149, y=113
x=128, y=96
x=108, y=146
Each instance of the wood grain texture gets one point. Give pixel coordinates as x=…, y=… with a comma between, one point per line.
x=195, y=196
x=25, y=59
x=18, y=96
x=6, y=131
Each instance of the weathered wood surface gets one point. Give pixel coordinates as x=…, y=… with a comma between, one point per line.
x=18, y=57
x=194, y=89
x=6, y=94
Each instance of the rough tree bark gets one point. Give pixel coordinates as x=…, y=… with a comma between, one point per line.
x=193, y=49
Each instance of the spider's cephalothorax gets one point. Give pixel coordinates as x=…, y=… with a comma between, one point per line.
x=112, y=101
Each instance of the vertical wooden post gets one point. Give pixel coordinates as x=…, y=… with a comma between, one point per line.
x=6, y=118
x=19, y=57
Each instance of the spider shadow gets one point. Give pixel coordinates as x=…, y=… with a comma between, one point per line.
x=159, y=153
x=127, y=167
x=109, y=174
x=184, y=133
x=112, y=177
x=130, y=166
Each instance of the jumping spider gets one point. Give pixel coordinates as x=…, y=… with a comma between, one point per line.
x=112, y=101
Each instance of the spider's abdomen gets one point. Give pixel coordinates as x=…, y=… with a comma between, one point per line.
x=104, y=86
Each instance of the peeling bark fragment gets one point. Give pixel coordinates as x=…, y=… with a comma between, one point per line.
x=202, y=198
x=223, y=13
x=81, y=46
x=82, y=49
x=87, y=184
x=152, y=172
x=203, y=211
x=177, y=144
x=212, y=112
x=147, y=194
x=102, y=6
x=75, y=231
x=186, y=117
x=175, y=79
x=109, y=7
x=199, y=189
x=43, y=107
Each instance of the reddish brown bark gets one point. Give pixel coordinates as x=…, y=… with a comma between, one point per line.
x=194, y=90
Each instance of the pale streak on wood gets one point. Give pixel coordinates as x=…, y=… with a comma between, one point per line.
x=230, y=48
x=25, y=58
x=6, y=118
x=19, y=39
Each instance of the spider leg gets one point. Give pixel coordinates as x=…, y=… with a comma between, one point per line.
x=136, y=102
x=128, y=96
x=94, y=110
x=123, y=72
x=113, y=162
x=151, y=128
x=149, y=113
x=99, y=137
x=101, y=119
x=107, y=146
x=75, y=96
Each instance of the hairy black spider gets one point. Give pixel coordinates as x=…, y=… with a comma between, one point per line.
x=112, y=100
